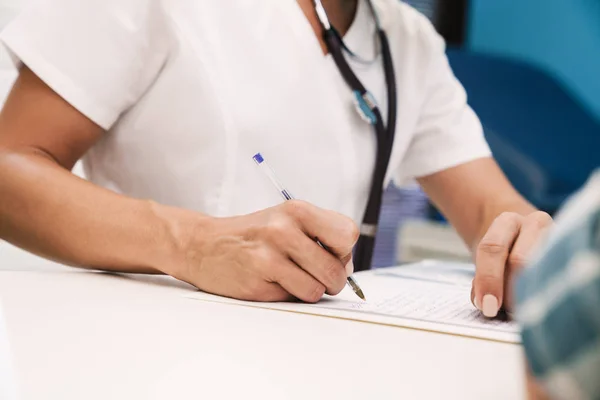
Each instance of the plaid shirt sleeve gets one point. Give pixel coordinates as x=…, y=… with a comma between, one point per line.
x=558, y=302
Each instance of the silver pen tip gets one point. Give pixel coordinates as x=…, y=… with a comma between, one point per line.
x=356, y=288
x=360, y=294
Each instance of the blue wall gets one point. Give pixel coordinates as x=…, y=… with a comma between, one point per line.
x=562, y=36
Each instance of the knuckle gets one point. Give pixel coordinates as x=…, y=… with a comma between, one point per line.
x=492, y=247
x=347, y=232
x=352, y=232
x=517, y=259
x=487, y=280
x=539, y=219
x=279, y=226
x=511, y=217
x=295, y=208
x=336, y=288
x=335, y=273
x=315, y=293
x=265, y=261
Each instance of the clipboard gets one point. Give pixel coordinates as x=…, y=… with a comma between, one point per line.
x=430, y=298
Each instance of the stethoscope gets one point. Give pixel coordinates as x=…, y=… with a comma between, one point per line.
x=367, y=108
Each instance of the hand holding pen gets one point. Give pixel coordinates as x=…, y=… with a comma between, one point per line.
x=287, y=196
x=269, y=255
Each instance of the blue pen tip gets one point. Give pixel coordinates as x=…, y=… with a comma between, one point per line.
x=258, y=158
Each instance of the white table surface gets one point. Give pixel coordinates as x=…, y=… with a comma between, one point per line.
x=85, y=335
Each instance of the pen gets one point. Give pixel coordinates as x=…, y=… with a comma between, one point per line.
x=262, y=163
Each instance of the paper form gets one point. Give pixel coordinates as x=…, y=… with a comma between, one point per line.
x=431, y=296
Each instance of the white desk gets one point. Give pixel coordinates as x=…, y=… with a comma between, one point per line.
x=81, y=335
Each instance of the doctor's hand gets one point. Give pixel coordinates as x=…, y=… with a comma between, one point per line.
x=504, y=249
x=270, y=255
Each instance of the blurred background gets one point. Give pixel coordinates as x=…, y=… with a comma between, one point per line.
x=531, y=69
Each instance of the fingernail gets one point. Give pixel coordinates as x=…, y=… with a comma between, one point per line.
x=477, y=305
x=490, y=306
x=350, y=268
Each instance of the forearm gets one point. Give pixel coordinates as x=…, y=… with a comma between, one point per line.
x=472, y=196
x=49, y=211
x=490, y=209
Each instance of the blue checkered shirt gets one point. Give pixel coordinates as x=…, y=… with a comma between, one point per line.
x=558, y=302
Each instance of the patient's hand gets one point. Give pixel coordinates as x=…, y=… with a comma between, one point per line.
x=534, y=389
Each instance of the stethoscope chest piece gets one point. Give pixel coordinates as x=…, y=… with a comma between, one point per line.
x=364, y=105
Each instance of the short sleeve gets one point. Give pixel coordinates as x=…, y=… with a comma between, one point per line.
x=448, y=131
x=558, y=303
x=99, y=55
